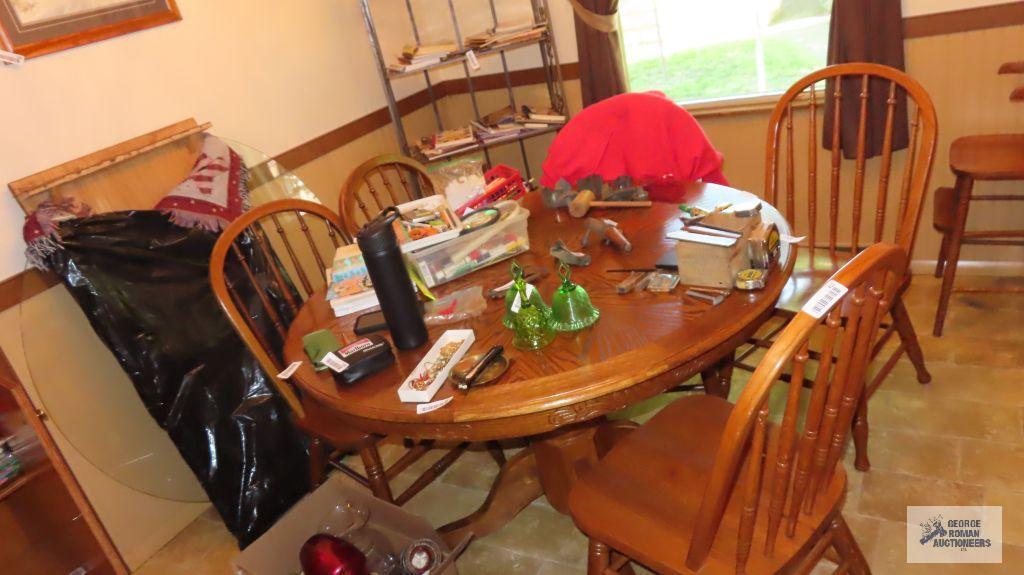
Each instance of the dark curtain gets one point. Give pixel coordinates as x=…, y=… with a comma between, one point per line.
x=602, y=74
x=866, y=31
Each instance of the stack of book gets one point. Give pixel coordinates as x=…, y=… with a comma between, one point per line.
x=447, y=142
x=542, y=117
x=506, y=34
x=349, y=288
x=417, y=57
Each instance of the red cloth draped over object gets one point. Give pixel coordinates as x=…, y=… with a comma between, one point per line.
x=214, y=194
x=642, y=135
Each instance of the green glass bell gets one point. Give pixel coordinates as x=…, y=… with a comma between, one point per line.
x=519, y=284
x=532, y=327
x=571, y=309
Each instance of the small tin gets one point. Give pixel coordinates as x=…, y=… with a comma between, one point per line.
x=763, y=246
x=750, y=279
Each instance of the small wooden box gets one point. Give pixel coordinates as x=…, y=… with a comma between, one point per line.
x=709, y=265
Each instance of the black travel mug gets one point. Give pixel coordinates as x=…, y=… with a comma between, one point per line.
x=384, y=263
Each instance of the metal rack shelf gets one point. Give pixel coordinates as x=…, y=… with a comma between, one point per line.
x=549, y=60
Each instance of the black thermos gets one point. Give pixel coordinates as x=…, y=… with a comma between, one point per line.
x=384, y=263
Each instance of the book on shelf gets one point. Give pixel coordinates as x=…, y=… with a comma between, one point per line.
x=417, y=57
x=543, y=115
x=504, y=35
x=349, y=289
x=447, y=142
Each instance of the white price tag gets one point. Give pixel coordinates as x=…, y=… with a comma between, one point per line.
x=516, y=304
x=11, y=58
x=788, y=239
x=433, y=406
x=473, y=62
x=824, y=299
x=290, y=370
x=529, y=290
x=334, y=362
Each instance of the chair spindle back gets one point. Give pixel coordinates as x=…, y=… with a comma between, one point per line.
x=253, y=271
x=777, y=467
x=380, y=183
x=783, y=157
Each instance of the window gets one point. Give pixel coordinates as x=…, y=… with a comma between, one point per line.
x=696, y=50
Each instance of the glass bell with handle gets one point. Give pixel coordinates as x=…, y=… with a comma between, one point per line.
x=571, y=308
x=532, y=324
x=518, y=283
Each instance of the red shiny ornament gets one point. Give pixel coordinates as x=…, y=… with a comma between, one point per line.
x=327, y=555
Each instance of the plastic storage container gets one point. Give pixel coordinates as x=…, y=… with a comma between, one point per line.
x=455, y=258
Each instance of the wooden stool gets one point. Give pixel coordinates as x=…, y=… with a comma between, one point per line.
x=990, y=157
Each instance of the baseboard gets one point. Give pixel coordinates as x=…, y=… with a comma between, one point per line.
x=972, y=268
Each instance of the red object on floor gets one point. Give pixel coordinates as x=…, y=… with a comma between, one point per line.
x=643, y=135
x=324, y=554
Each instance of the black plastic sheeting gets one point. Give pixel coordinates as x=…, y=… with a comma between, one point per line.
x=143, y=283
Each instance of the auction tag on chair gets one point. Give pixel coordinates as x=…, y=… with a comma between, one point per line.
x=824, y=299
x=290, y=370
x=334, y=362
x=433, y=406
x=474, y=63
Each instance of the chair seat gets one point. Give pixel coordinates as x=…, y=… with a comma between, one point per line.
x=808, y=277
x=989, y=157
x=643, y=497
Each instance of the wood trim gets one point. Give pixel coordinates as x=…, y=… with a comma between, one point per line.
x=23, y=286
x=966, y=20
x=342, y=135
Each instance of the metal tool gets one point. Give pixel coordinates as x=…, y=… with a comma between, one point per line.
x=609, y=231
x=562, y=253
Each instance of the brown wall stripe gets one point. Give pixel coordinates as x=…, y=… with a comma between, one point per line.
x=966, y=20
x=21, y=287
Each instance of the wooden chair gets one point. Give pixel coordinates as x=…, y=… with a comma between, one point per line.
x=710, y=487
x=261, y=272
x=845, y=229
x=989, y=157
x=380, y=183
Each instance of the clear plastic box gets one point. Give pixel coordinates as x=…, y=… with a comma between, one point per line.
x=465, y=254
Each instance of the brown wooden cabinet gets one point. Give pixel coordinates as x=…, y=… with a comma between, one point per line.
x=48, y=526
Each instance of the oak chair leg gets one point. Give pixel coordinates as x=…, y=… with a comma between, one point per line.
x=718, y=379
x=598, y=558
x=940, y=262
x=497, y=453
x=846, y=546
x=860, y=435
x=905, y=329
x=962, y=193
x=375, y=473
x=317, y=462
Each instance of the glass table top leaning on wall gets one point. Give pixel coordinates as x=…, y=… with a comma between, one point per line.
x=110, y=342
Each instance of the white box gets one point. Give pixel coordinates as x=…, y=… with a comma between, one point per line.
x=409, y=395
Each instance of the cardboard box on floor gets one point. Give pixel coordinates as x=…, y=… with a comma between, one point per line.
x=277, y=551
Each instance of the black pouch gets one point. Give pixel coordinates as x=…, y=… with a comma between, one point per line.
x=364, y=357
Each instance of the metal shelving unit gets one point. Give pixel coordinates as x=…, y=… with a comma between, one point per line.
x=549, y=61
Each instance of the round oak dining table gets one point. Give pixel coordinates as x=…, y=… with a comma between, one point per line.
x=556, y=398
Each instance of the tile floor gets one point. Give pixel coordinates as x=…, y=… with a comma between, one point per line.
x=958, y=440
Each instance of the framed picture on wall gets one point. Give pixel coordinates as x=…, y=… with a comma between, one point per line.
x=36, y=27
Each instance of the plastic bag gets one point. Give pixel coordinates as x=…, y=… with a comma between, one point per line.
x=143, y=284
x=461, y=180
x=461, y=305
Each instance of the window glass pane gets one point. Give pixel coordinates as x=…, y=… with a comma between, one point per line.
x=701, y=49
